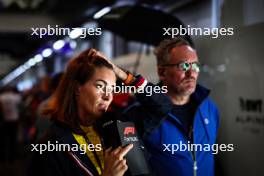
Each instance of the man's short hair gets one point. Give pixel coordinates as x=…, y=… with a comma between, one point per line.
x=162, y=51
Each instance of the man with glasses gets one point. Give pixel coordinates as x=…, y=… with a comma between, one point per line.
x=179, y=128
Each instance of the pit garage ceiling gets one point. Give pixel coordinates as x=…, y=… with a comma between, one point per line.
x=18, y=16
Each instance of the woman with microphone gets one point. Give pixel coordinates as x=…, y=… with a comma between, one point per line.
x=73, y=145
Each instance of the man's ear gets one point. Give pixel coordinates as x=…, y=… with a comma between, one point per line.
x=161, y=72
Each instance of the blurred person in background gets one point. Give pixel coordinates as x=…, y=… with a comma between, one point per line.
x=42, y=122
x=29, y=109
x=10, y=101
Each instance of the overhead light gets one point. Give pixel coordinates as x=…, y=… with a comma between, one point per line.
x=23, y=85
x=18, y=71
x=22, y=68
x=90, y=25
x=39, y=58
x=46, y=52
x=31, y=62
x=26, y=66
x=75, y=33
x=73, y=44
x=7, y=79
x=58, y=44
x=101, y=12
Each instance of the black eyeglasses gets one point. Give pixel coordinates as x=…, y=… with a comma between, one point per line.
x=185, y=66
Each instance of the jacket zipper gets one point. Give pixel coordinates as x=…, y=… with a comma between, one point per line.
x=191, y=139
x=194, y=160
x=194, y=165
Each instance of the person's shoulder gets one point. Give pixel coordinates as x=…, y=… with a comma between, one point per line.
x=211, y=102
x=48, y=135
x=135, y=112
x=134, y=108
x=211, y=109
x=53, y=133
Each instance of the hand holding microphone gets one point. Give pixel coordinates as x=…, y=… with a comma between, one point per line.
x=115, y=164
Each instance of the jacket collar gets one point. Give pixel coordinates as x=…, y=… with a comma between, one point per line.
x=200, y=93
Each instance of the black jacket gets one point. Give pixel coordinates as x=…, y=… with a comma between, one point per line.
x=60, y=163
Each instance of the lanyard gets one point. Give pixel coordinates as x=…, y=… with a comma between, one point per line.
x=94, y=152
